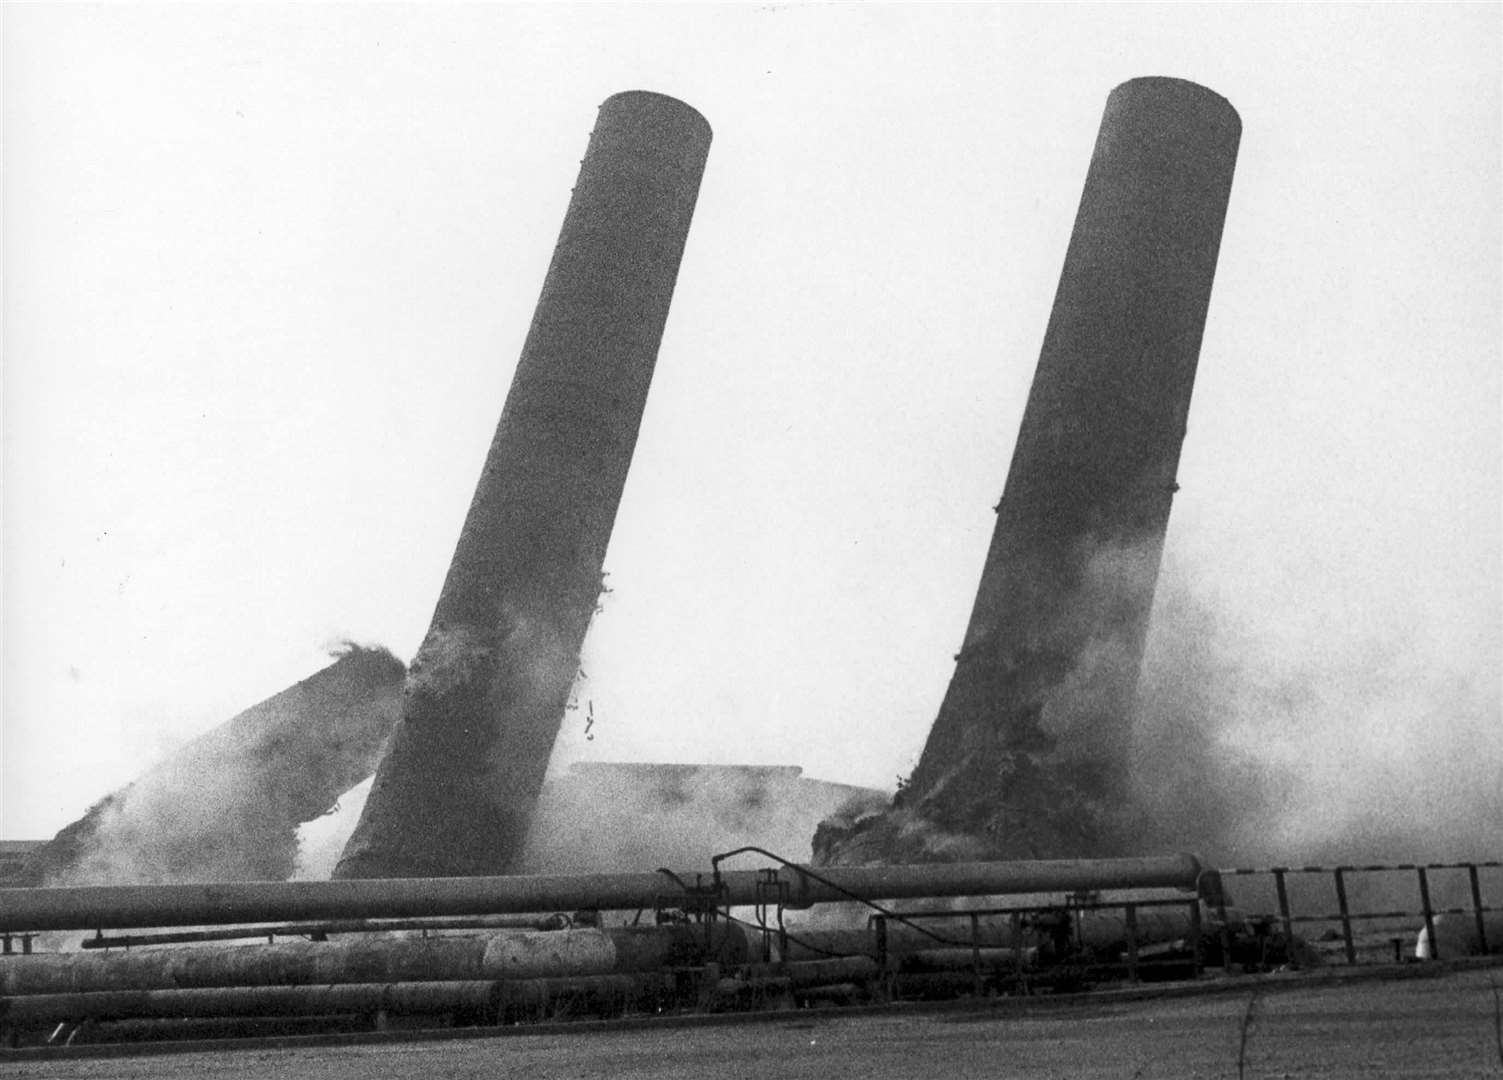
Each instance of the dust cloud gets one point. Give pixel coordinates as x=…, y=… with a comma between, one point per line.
x=619, y=817
x=604, y=817
x=1242, y=749
x=226, y=806
x=1358, y=752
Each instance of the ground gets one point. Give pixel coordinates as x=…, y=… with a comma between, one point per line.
x=1449, y=1026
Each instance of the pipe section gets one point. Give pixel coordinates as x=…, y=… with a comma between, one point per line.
x=476, y=1001
x=471, y=996
x=522, y=955
x=116, y=907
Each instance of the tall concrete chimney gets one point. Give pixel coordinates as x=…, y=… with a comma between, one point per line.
x=488, y=689
x=1027, y=757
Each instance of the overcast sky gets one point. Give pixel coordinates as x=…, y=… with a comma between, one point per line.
x=267, y=271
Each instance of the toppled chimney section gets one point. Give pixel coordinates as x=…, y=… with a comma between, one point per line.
x=488, y=689
x=226, y=807
x=1027, y=757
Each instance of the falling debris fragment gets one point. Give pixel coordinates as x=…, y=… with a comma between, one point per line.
x=226, y=807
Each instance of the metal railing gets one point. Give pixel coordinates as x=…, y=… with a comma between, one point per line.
x=1066, y=925
x=1287, y=914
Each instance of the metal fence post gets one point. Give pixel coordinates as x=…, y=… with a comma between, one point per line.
x=976, y=953
x=1471, y=869
x=1224, y=932
x=1017, y=951
x=1424, y=887
x=1346, y=915
x=1284, y=910
x=888, y=976
x=1195, y=935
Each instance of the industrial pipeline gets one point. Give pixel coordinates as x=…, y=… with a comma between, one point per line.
x=232, y=903
x=694, y=954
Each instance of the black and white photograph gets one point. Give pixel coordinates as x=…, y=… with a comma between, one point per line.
x=835, y=539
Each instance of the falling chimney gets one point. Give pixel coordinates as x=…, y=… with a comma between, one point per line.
x=487, y=691
x=226, y=807
x=1028, y=754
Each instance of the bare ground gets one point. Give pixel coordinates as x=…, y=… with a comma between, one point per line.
x=1449, y=1026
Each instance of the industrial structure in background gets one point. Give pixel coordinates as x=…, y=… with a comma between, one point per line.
x=1028, y=755
x=490, y=952
x=607, y=816
x=487, y=691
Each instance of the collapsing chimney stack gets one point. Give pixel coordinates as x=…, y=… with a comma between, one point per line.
x=1027, y=756
x=227, y=806
x=487, y=692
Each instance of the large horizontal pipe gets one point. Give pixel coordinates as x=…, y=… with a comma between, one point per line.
x=808, y=973
x=288, y=963
x=520, y=955
x=188, y=1029
x=924, y=960
x=474, y=995
x=477, y=997
x=118, y=906
x=318, y=931
x=1102, y=930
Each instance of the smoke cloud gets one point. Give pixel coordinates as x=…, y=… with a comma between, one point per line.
x=607, y=817
x=602, y=817
x=1241, y=750
x=1362, y=751
x=226, y=806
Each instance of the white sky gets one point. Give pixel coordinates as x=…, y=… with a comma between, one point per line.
x=267, y=271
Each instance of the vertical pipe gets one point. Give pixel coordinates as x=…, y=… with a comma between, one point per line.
x=1471, y=870
x=976, y=954
x=1032, y=736
x=486, y=694
x=1225, y=931
x=1196, y=932
x=1424, y=888
x=1284, y=911
x=886, y=969
x=1346, y=915
x=1015, y=927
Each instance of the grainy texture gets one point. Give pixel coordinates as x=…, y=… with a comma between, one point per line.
x=1432, y=1027
x=1027, y=756
x=226, y=807
x=605, y=817
x=487, y=691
